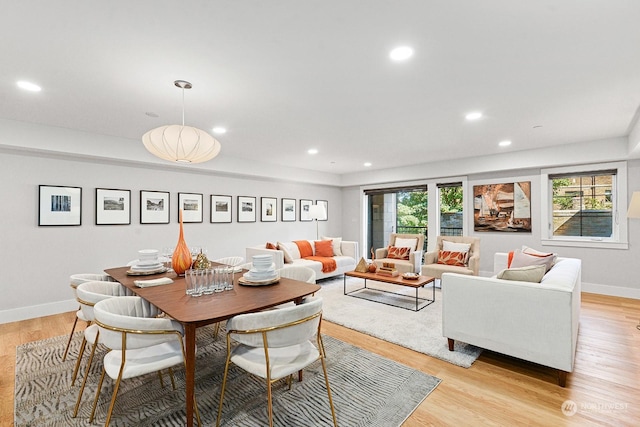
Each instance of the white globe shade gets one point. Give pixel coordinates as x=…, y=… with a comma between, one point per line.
x=178, y=143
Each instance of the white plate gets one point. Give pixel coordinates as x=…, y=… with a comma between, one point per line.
x=138, y=267
x=243, y=281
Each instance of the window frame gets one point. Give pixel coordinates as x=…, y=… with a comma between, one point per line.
x=618, y=239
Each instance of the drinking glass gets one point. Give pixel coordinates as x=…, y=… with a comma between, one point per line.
x=207, y=281
x=228, y=285
x=193, y=282
x=219, y=279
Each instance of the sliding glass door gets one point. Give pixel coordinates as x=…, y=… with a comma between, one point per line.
x=395, y=210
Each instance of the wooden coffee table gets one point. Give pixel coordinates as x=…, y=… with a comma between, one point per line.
x=398, y=280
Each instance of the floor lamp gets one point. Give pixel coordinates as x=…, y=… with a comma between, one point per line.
x=318, y=213
x=634, y=212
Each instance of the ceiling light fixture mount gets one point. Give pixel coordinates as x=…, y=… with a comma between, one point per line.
x=180, y=143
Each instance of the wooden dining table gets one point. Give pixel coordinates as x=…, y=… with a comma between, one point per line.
x=194, y=312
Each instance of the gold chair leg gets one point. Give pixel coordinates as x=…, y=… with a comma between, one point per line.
x=84, y=380
x=161, y=381
x=80, y=353
x=224, y=383
x=113, y=398
x=326, y=381
x=269, y=406
x=216, y=330
x=173, y=381
x=195, y=405
x=95, y=401
x=66, y=350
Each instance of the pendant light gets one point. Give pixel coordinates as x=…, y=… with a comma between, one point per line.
x=180, y=143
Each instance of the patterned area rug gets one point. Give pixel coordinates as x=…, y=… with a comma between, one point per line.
x=367, y=390
x=369, y=313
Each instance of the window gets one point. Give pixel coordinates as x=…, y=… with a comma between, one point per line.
x=451, y=209
x=582, y=205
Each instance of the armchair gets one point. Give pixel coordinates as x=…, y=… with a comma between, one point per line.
x=412, y=265
x=433, y=269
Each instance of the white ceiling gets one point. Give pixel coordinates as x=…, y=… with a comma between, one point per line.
x=284, y=76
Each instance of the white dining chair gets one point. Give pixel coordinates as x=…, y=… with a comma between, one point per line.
x=74, y=281
x=230, y=260
x=88, y=295
x=140, y=343
x=274, y=344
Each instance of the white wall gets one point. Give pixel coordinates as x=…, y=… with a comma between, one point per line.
x=37, y=261
x=605, y=271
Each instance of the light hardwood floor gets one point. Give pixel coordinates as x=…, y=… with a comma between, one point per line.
x=496, y=390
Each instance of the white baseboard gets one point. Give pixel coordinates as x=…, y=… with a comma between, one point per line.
x=614, y=291
x=33, y=311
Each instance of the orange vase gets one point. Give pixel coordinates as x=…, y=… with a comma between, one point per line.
x=181, y=260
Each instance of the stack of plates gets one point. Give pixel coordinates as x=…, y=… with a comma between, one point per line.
x=146, y=265
x=263, y=269
x=148, y=262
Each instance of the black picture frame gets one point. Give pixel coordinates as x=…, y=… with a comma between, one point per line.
x=304, y=209
x=155, y=207
x=268, y=209
x=221, y=208
x=191, y=206
x=59, y=205
x=113, y=206
x=288, y=210
x=246, y=209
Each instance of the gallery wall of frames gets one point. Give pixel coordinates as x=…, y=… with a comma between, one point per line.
x=62, y=206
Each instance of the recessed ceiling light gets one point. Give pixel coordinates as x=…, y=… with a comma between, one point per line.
x=32, y=87
x=367, y=164
x=401, y=53
x=219, y=130
x=312, y=151
x=504, y=143
x=475, y=115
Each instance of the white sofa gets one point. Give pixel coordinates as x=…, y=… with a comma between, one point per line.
x=346, y=262
x=537, y=322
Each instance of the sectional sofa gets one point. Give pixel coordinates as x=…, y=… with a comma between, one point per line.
x=344, y=254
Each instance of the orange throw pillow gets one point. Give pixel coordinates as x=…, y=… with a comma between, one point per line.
x=271, y=246
x=458, y=259
x=398, y=253
x=324, y=248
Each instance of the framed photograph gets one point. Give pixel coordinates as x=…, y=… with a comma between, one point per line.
x=246, y=209
x=326, y=209
x=191, y=205
x=220, y=208
x=288, y=210
x=269, y=209
x=304, y=209
x=154, y=207
x=502, y=207
x=59, y=205
x=113, y=207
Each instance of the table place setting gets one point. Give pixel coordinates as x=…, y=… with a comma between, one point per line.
x=262, y=272
x=147, y=264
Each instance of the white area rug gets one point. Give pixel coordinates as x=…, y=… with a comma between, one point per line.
x=420, y=331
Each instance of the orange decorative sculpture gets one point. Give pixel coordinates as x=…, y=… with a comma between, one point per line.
x=181, y=260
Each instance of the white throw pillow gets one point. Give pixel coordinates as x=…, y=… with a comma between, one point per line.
x=406, y=243
x=290, y=251
x=521, y=259
x=455, y=247
x=336, y=244
x=530, y=273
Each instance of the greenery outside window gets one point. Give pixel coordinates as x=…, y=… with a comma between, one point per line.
x=451, y=209
x=582, y=205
